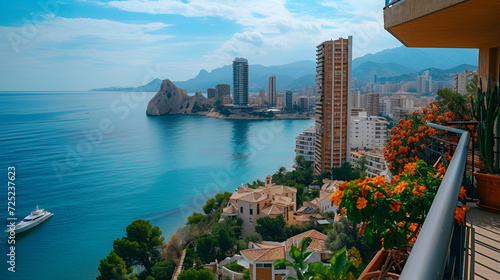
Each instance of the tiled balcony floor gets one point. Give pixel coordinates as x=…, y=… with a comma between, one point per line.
x=484, y=246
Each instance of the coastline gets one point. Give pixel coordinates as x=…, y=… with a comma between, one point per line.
x=216, y=115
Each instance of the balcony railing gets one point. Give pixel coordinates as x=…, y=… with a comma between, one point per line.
x=439, y=250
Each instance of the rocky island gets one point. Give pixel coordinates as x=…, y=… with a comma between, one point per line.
x=171, y=100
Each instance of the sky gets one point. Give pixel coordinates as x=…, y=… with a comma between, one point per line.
x=51, y=45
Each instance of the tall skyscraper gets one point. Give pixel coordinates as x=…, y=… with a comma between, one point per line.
x=333, y=106
x=271, y=92
x=240, y=82
x=211, y=93
x=288, y=100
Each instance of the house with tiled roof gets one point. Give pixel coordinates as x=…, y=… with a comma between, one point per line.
x=262, y=256
x=251, y=204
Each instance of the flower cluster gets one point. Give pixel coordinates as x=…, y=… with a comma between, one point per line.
x=391, y=212
x=410, y=137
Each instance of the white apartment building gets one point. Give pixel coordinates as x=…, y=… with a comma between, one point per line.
x=368, y=132
x=304, y=144
x=375, y=165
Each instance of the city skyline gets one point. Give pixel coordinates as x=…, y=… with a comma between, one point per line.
x=80, y=45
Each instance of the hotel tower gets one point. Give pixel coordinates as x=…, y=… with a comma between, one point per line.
x=333, y=104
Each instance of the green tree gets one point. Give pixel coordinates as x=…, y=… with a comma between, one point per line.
x=345, y=233
x=193, y=274
x=163, y=270
x=209, y=206
x=253, y=237
x=344, y=172
x=113, y=268
x=225, y=236
x=220, y=198
x=272, y=229
x=142, y=245
x=206, y=248
x=196, y=218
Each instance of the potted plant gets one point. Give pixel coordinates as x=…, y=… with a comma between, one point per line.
x=392, y=212
x=487, y=179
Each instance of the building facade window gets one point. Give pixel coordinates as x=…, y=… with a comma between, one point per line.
x=258, y=209
x=251, y=209
x=241, y=209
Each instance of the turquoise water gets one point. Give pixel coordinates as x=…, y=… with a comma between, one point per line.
x=99, y=163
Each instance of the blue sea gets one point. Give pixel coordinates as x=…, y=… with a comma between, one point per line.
x=98, y=163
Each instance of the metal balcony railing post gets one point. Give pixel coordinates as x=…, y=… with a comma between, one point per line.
x=431, y=252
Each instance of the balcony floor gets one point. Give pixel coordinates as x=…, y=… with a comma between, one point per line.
x=484, y=247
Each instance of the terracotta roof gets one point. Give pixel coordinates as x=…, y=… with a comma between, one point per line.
x=317, y=241
x=282, y=189
x=230, y=209
x=284, y=201
x=272, y=210
x=270, y=254
x=253, y=197
x=266, y=246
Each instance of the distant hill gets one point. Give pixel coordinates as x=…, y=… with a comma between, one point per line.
x=366, y=70
x=437, y=74
x=389, y=65
x=419, y=59
x=152, y=86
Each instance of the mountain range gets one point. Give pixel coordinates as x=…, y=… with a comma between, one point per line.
x=398, y=64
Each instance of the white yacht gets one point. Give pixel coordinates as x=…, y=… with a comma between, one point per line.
x=32, y=220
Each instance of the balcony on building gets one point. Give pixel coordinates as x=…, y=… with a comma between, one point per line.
x=449, y=24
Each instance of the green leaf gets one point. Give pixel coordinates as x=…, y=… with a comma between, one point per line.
x=369, y=233
x=338, y=261
x=295, y=253
x=282, y=263
x=305, y=243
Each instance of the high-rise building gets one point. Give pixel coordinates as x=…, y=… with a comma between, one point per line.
x=211, y=93
x=356, y=94
x=222, y=92
x=304, y=144
x=280, y=101
x=333, y=106
x=424, y=82
x=288, y=100
x=304, y=102
x=372, y=106
x=240, y=82
x=262, y=94
x=271, y=92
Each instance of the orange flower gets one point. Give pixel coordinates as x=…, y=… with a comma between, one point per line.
x=463, y=193
x=343, y=212
x=395, y=179
x=365, y=190
x=401, y=187
x=336, y=197
x=378, y=195
x=442, y=170
x=411, y=167
x=343, y=186
x=419, y=189
x=460, y=214
x=361, y=203
x=395, y=205
x=362, y=228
